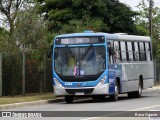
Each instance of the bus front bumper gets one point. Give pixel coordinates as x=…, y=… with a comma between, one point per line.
x=97, y=90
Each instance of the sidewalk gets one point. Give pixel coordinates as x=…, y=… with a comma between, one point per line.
x=23, y=104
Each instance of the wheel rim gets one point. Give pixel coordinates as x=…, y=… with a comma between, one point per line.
x=140, y=90
x=116, y=91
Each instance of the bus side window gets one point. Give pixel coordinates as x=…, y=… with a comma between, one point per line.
x=130, y=51
x=136, y=51
x=116, y=56
x=148, y=52
x=142, y=51
x=110, y=52
x=123, y=51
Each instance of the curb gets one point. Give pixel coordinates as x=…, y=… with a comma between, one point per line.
x=24, y=104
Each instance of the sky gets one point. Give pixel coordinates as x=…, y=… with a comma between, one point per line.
x=134, y=3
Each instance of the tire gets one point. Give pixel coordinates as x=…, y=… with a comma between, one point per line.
x=114, y=97
x=69, y=99
x=136, y=94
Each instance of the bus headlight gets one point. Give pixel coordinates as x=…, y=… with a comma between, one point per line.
x=101, y=82
x=57, y=83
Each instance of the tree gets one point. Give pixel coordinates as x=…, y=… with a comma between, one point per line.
x=30, y=31
x=142, y=22
x=27, y=31
x=3, y=36
x=68, y=16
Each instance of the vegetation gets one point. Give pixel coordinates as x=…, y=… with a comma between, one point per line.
x=142, y=22
x=67, y=16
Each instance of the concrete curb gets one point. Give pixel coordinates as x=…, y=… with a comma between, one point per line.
x=23, y=104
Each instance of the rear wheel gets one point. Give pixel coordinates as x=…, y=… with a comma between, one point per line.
x=69, y=99
x=114, y=97
x=136, y=94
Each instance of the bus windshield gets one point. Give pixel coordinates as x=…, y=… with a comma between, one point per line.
x=79, y=61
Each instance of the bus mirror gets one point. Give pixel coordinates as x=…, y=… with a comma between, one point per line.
x=49, y=52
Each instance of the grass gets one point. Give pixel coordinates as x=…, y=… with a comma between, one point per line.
x=26, y=98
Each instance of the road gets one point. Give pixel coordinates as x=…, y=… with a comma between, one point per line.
x=149, y=101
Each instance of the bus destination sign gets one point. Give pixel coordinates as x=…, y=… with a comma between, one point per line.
x=79, y=40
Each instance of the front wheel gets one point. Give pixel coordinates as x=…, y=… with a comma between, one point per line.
x=114, y=97
x=69, y=99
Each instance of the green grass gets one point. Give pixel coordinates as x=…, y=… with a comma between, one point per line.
x=26, y=98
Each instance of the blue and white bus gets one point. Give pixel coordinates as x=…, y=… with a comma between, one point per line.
x=101, y=64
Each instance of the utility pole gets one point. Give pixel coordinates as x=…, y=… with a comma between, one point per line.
x=150, y=17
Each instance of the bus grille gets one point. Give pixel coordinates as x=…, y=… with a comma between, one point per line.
x=85, y=91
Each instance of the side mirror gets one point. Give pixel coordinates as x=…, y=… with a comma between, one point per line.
x=49, y=52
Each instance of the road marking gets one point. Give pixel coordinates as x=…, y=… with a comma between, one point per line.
x=145, y=108
x=122, y=112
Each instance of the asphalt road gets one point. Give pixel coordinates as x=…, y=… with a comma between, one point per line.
x=86, y=109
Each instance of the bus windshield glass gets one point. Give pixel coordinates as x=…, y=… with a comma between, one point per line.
x=80, y=61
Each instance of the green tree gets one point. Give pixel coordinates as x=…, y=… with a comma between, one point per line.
x=68, y=16
x=26, y=29
x=30, y=31
x=3, y=36
x=142, y=22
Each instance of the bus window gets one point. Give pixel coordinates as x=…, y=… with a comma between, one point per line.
x=148, y=52
x=123, y=51
x=136, y=51
x=110, y=52
x=142, y=51
x=116, y=56
x=130, y=51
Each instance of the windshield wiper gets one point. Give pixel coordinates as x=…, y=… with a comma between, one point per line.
x=87, y=51
x=70, y=52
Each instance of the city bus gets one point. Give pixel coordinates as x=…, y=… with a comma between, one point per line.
x=99, y=64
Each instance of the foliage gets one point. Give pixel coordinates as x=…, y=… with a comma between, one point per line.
x=67, y=16
x=3, y=36
x=26, y=30
x=142, y=22
x=30, y=31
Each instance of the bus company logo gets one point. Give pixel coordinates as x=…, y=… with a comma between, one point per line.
x=6, y=114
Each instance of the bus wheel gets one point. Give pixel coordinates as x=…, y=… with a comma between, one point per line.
x=69, y=99
x=114, y=97
x=138, y=93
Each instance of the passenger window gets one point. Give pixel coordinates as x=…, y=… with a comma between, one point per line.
x=136, y=51
x=148, y=52
x=110, y=51
x=130, y=51
x=116, y=56
x=142, y=51
x=123, y=51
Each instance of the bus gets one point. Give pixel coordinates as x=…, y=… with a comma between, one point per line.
x=98, y=64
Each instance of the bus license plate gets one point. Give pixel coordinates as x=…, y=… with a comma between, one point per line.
x=79, y=93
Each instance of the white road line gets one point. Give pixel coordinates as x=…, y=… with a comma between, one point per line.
x=122, y=112
x=145, y=108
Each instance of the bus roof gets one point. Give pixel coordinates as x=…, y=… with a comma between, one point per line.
x=110, y=36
